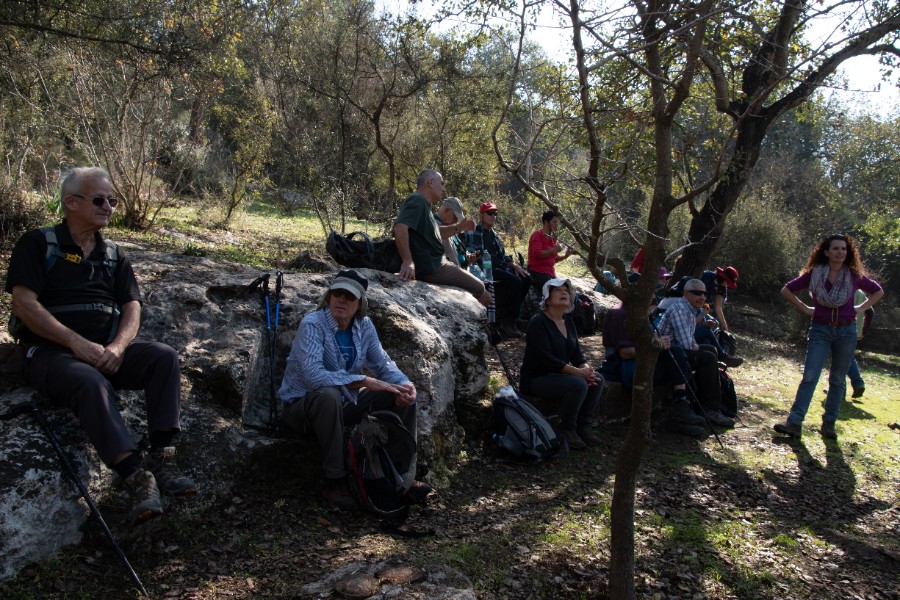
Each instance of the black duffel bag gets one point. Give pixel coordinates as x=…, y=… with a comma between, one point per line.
x=363, y=253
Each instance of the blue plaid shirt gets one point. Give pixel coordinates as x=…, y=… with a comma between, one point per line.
x=479, y=239
x=316, y=361
x=679, y=322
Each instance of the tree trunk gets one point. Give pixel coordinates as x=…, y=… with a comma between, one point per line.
x=708, y=225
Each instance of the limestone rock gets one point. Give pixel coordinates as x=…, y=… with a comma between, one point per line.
x=205, y=310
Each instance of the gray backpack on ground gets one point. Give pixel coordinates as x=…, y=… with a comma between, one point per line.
x=521, y=429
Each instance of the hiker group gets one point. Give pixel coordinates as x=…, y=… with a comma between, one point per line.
x=76, y=314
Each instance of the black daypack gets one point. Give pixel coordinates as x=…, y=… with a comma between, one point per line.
x=363, y=253
x=381, y=464
x=584, y=317
x=521, y=429
x=729, y=405
x=110, y=260
x=727, y=342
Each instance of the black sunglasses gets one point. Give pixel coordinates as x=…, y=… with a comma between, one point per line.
x=99, y=200
x=696, y=292
x=493, y=213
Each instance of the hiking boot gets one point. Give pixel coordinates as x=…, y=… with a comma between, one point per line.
x=587, y=436
x=794, y=430
x=508, y=329
x=574, y=440
x=717, y=418
x=683, y=413
x=145, y=501
x=338, y=495
x=161, y=462
x=417, y=492
x=858, y=391
x=732, y=361
x=685, y=428
x=828, y=432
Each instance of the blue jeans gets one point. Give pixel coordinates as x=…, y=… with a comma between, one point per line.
x=840, y=343
x=855, y=376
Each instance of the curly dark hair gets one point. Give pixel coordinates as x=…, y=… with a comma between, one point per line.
x=853, y=261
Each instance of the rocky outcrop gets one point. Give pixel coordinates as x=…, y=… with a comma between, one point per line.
x=205, y=311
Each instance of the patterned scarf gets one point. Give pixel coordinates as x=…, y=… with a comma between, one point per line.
x=840, y=292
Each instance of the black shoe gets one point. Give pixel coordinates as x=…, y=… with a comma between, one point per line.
x=683, y=413
x=717, y=418
x=587, y=436
x=685, y=428
x=858, y=391
x=732, y=361
x=828, y=431
x=794, y=430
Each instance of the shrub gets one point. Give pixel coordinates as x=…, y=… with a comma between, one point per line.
x=19, y=211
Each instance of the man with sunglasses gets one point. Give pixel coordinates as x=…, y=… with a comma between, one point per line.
x=80, y=308
x=511, y=281
x=679, y=322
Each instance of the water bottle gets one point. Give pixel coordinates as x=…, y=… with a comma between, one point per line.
x=475, y=270
x=487, y=267
x=492, y=307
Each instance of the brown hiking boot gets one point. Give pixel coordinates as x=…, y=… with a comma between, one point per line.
x=587, y=436
x=509, y=330
x=574, y=440
x=794, y=430
x=145, y=501
x=338, y=496
x=161, y=462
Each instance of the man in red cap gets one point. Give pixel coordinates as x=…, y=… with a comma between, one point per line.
x=717, y=284
x=511, y=281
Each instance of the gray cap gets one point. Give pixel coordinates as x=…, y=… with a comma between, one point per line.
x=455, y=205
x=351, y=281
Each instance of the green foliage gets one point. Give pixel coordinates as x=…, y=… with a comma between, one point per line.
x=19, y=211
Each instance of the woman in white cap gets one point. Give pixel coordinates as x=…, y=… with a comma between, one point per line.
x=554, y=367
x=324, y=386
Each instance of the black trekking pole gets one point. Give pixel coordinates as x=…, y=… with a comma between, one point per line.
x=273, y=402
x=687, y=385
x=509, y=376
x=262, y=282
x=696, y=399
x=33, y=409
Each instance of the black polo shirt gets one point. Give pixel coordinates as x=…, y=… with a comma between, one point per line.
x=69, y=283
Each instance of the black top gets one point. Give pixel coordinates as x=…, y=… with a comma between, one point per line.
x=67, y=283
x=547, y=351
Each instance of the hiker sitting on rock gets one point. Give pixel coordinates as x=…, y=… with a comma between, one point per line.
x=554, y=366
x=77, y=299
x=678, y=323
x=324, y=386
x=419, y=239
x=621, y=360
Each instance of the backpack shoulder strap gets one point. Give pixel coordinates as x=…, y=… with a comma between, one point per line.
x=110, y=259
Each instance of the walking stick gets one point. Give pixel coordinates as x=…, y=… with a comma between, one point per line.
x=262, y=282
x=34, y=410
x=273, y=402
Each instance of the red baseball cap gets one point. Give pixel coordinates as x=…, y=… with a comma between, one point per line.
x=487, y=206
x=730, y=275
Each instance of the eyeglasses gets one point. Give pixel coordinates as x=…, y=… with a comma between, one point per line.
x=99, y=200
x=696, y=292
x=345, y=294
x=493, y=213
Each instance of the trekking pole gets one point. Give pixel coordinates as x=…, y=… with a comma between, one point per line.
x=273, y=403
x=262, y=282
x=693, y=394
x=509, y=377
x=33, y=409
x=696, y=399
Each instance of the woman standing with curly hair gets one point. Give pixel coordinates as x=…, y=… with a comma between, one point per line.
x=832, y=275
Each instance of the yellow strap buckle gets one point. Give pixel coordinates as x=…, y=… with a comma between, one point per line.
x=73, y=258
